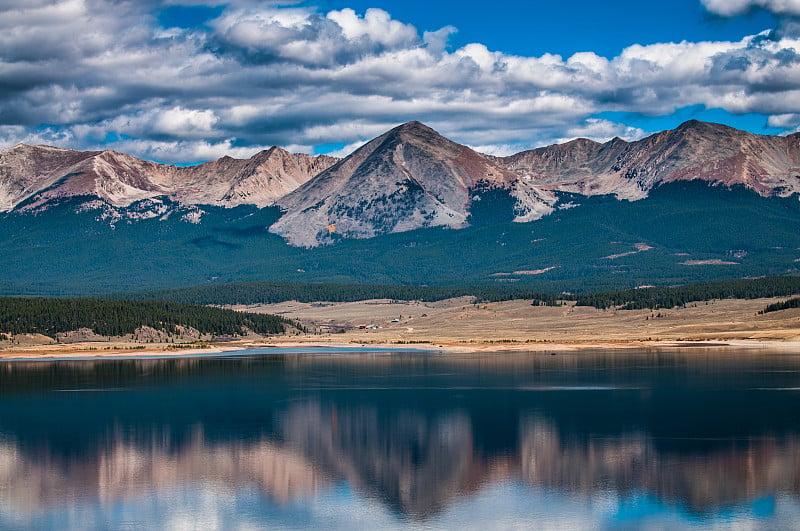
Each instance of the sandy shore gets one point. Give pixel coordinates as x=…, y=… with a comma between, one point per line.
x=87, y=351
x=457, y=325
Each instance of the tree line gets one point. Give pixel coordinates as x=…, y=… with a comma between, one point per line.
x=628, y=299
x=273, y=292
x=117, y=318
x=168, y=309
x=657, y=297
x=671, y=296
x=785, y=305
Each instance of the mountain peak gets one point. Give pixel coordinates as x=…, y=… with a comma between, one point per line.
x=583, y=142
x=705, y=127
x=408, y=178
x=266, y=153
x=412, y=125
x=414, y=129
x=34, y=148
x=690, y=124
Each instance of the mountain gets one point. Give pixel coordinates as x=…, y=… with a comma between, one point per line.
x=33, y=176
x=708, y=152
x=408, y=178
x=701, y=202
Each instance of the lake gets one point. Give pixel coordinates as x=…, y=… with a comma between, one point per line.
x=379, y=440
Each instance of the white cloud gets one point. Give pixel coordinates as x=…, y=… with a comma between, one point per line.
x=784, y=121
x=189, y=122
x=11, y=135
x=95, y=70
x=602, y=131
x=436, y=41
x=729, y=8
x=500, y=150
x=183, y=151
x=376, y=25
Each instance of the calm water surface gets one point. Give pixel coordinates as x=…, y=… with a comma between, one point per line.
x=395, y=440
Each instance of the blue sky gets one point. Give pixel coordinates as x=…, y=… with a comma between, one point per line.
x=568, y=26
x=185, y=81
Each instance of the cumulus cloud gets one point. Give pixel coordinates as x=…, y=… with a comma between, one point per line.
x=784, y=120
x=185, y=122
x=729, y=8
x=376, y=26
x=94, y=73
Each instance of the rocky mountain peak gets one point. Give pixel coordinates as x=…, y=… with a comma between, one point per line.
x=410, y=177
x=701, y=127
x=415, y=132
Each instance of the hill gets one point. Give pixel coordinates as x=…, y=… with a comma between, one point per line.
x=51, y=317
x=682, y=233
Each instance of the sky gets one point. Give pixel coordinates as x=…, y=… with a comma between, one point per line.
x=186, y=81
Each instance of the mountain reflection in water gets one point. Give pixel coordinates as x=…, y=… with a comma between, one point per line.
x=696, y=436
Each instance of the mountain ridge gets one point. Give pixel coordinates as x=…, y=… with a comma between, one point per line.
x=35, y=175
x=695, y=150
x=410, y=177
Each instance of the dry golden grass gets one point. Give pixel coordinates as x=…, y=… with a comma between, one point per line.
x=458, y=321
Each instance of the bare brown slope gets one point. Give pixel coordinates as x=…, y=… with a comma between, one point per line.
x=25, y=170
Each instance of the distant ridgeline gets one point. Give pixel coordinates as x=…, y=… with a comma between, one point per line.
x=670, y=297
x=117, y=318
x=629, y=299
x=272, y=292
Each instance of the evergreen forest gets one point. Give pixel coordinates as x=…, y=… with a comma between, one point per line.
x=117, y=318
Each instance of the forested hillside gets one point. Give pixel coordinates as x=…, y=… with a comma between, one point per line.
x=669, y=297
x=683, y=233
x=116, y=318
x=272, y=292
x=629, y=299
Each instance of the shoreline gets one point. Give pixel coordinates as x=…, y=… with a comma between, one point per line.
x=88, y=352
x=459, y=326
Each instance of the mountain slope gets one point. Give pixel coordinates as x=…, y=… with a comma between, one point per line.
x=270, y=175
x=26, y=170
x=411, y=177
x=683, y=232
x=36, y=175
x=709, y=152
